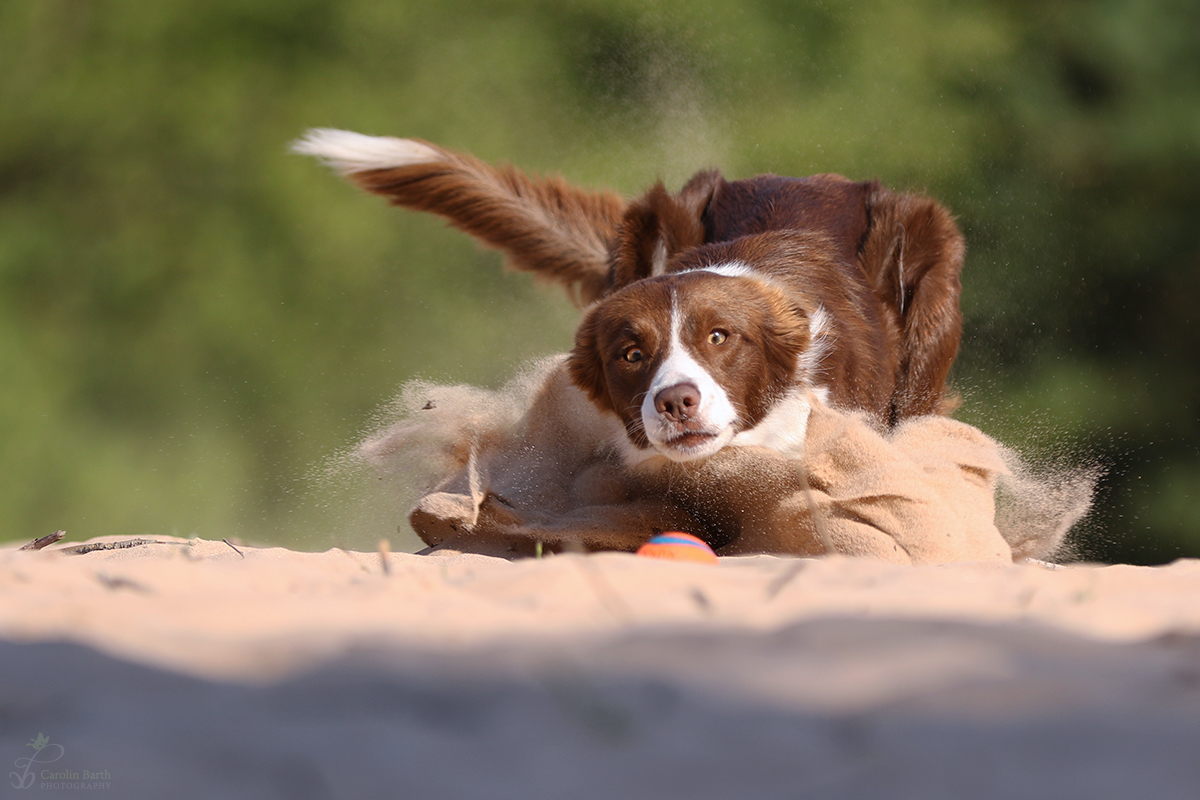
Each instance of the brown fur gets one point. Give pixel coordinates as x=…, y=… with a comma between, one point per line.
x=761, y=368
x=913, y=255
x=545, y=226
x=860, y=369
x=884, y=265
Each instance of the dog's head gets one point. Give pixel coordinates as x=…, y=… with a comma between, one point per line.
x=698, y=342
x=683, y=366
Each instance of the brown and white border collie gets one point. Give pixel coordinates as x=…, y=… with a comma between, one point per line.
x=712, y=315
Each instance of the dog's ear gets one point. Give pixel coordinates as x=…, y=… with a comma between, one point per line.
x=913, y=255
x=786, y=340
x=544, y=225
x=658, y=225
x=585, y=364
x=697, y=194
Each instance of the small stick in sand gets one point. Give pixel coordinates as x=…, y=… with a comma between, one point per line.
x=608, y=596
x=43, y=541
x=385, y=556
x=80, y=549
x=239, y=552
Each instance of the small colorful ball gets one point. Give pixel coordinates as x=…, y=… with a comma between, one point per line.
x=677, y=546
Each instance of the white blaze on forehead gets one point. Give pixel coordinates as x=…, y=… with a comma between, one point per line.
x=349, y=152
x=715, y=415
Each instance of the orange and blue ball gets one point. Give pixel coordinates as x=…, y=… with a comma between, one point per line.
x=677, y=546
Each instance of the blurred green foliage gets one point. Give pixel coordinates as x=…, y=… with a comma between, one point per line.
x=194, y=322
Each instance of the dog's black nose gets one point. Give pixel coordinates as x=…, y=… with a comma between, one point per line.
x=678, y=402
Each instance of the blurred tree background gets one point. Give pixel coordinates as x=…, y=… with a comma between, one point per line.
x=194, y=323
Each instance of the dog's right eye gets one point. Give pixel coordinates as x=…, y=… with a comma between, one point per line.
x=632, y=355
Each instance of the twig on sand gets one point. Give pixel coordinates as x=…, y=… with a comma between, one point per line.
x=43, y=541
x=780, y=581
x=608, y=596
x=80, y=549
x=239, y=552
x=385, y=554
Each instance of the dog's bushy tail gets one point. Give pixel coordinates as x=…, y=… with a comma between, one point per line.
x=543, y=225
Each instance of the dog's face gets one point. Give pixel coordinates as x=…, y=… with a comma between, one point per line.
x=688, y=360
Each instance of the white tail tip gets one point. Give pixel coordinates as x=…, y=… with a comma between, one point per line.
x=349, y=152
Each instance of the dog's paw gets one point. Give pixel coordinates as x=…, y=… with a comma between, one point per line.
x=442, y=516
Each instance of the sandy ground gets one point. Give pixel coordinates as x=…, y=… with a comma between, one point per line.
x=191, y=669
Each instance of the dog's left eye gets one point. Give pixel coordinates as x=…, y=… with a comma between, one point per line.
x=633, y=355
x=717, y=337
